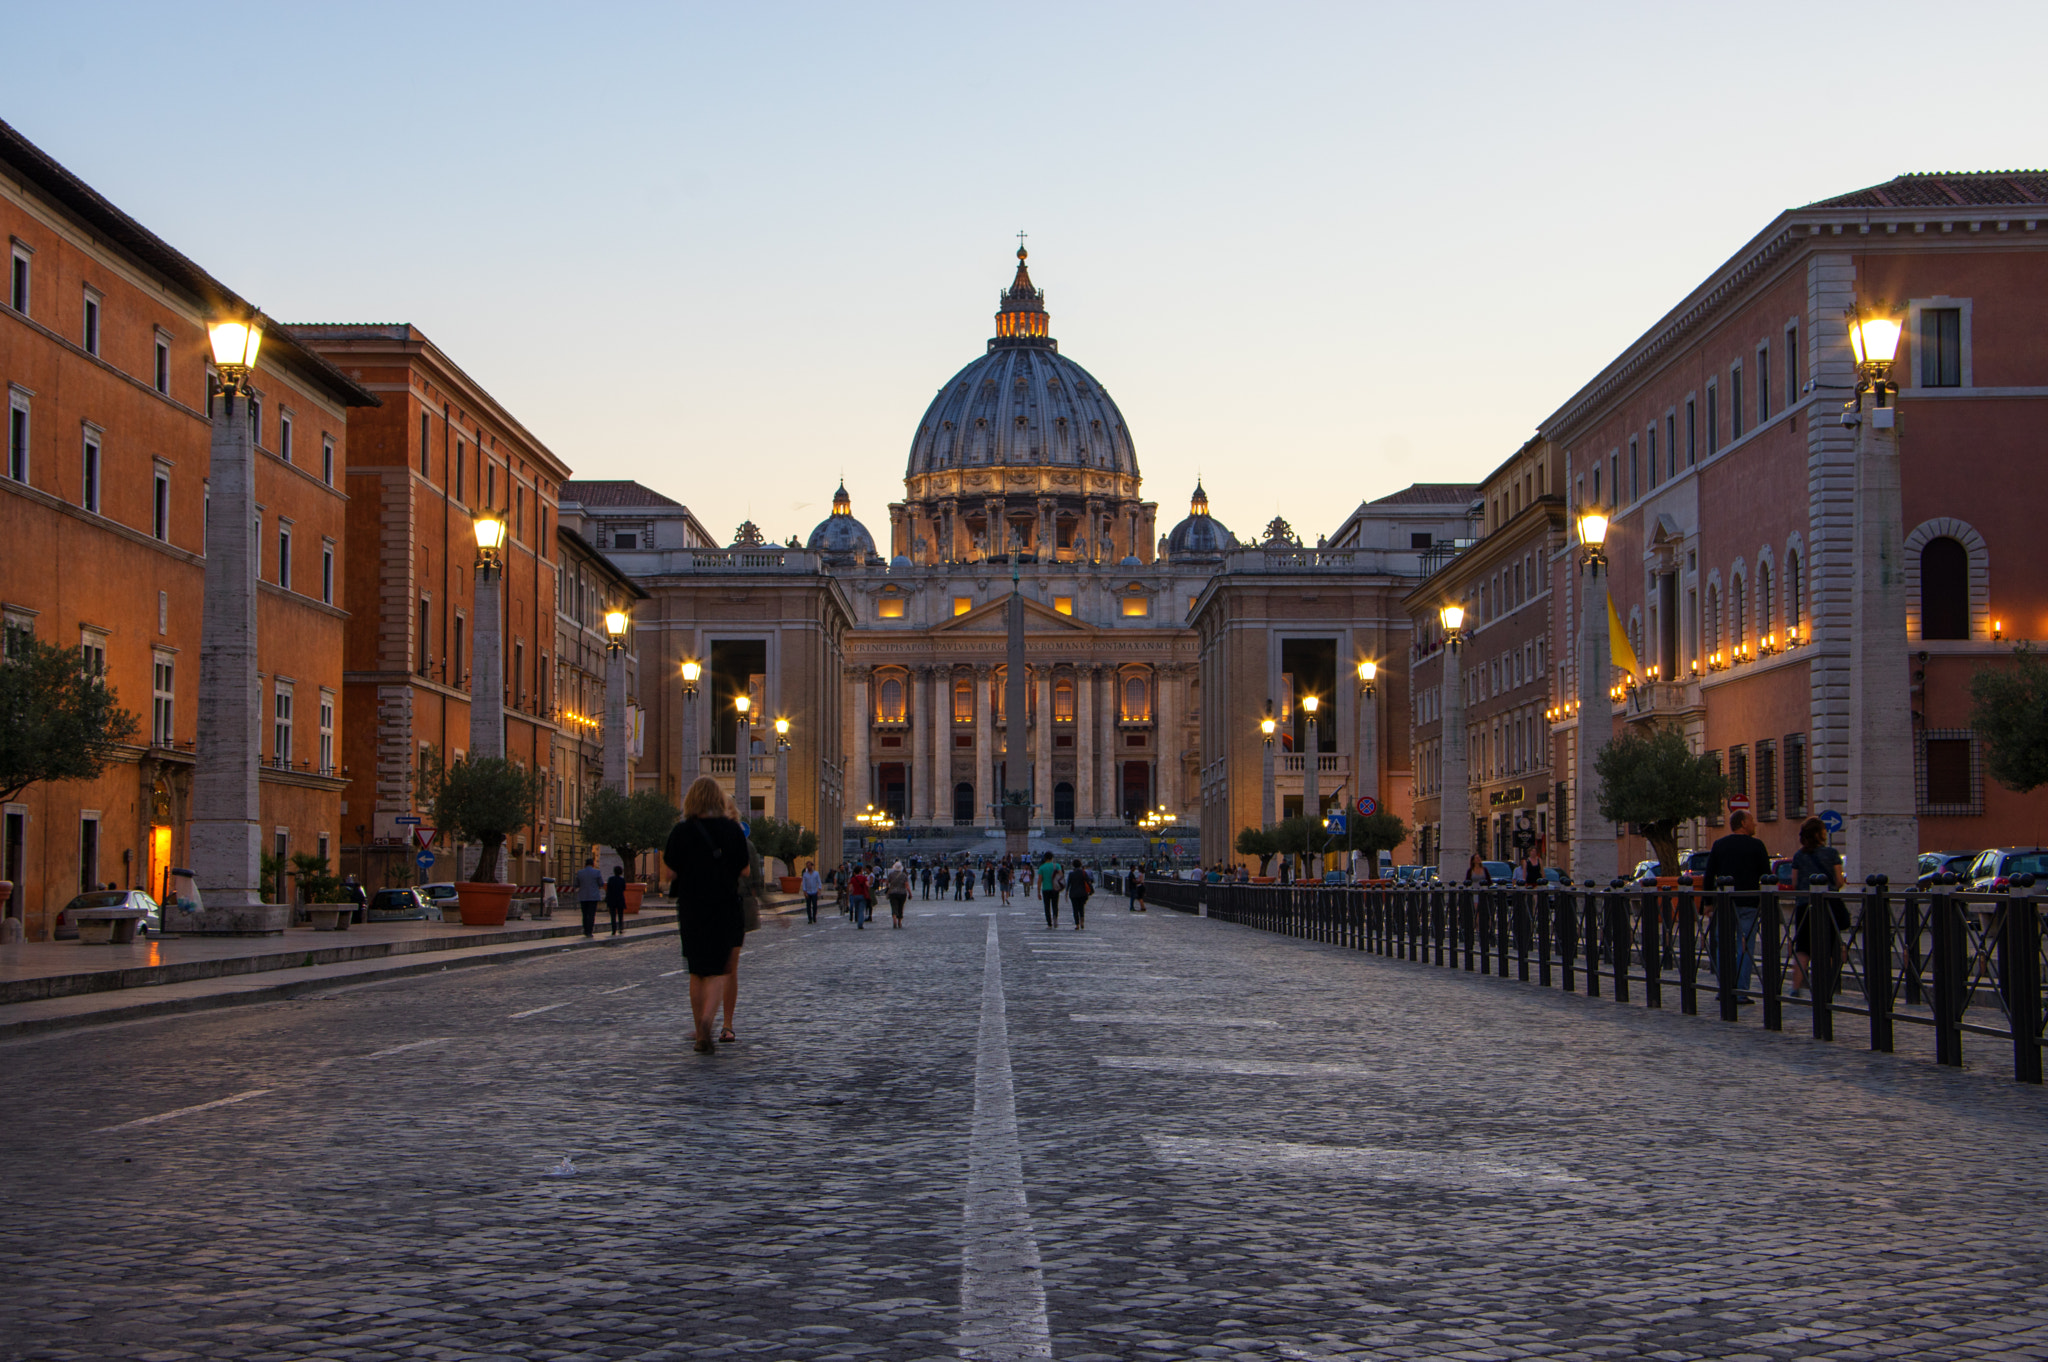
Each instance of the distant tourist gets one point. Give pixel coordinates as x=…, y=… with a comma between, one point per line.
x=615, y=899
x=1741, y=857
x=812, y=887
x=589, y=893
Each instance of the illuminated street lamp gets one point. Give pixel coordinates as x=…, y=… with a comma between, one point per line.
x=1592, y=837
x=1882, y=832
x=689, y=763
x=781, y=768
x=1311, y=785
x=235, y=343
x=1368, y=730
x=615, y=735
x=1454, y=798
x=743, y=765
x=490, y=540
x=1267, y=726
x=487, y=666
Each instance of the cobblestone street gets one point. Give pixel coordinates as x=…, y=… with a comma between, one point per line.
x=1164, y=1137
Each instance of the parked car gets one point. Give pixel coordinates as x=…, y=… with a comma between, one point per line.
x=1995, y=869
x=1956, y=863
x=67, y=925
x=442, y=896
x=399, y=905
x=1500, y=872
x=1413, y=874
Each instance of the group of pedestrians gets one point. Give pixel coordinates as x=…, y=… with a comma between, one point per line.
x=592, y=889
x=1073, y=880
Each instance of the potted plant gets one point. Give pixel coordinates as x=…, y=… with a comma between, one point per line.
x=484, y=800
x=783, y=840
x=629, y=825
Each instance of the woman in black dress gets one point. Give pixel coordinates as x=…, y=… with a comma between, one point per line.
x=708, y=853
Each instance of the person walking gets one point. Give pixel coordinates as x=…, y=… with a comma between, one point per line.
x=896, y=884
x=1741, y=857
x=708, y=853
x=589, y=893
x=1049, y=888
x=1476, y=871
x=1134, y=886
x=1003, y=879
x=1080, y=886
x=812, y=887
x=1815, y=861
x=857, y=890
x=615, y=899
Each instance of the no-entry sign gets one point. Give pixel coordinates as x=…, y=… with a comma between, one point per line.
x=1368, y=806
x=1738, y=803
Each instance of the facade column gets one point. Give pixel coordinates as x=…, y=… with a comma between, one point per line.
x=1368, y=781
x=225, y=836
x=984, y=750
x=1109, y=799
x=942, y=746
x=1593, y=850
x=1041, y=760
x=862, y=791
x=920, y=745
x=1454, y=833
x=1084, y=743
x=1167, y=726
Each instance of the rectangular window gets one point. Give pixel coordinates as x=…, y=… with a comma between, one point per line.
x=457, y=677
x=163, y=693
x=281, y=725
x=1713, y=421
x=1735, y=403
x=1692, y=433
x=327, y=572
x=88, y=852
x=1763, y=384
x=327, y=459
x=1795, y=775
x=163, y=363
x=1738, y=770
x=1948, y=773
x=17, y=295
x=1670, y=444
x=92, y=652
x=1635, y=469
x=326, y=732
x=426, y=607
x=425, y=444
x=89, y=473
x=17, y=437
x=1596, y=484
x=962, y=604
x=89, y=332
x=1136, y=607
x=284, y=437
x=160, y=506
x=1767, y=780
x=1650, y=447
x=1941, y=347
x=519, y=674
x=1791, y=364
x=256, y=422
x=284, y=556
x=889, y=608
x=459, y=466
x=1714, y=819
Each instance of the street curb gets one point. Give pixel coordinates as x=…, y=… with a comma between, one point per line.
x=435, y=963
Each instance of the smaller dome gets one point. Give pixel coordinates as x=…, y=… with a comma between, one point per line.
x=840, y=537
x=1200, y=535
x=900, y=561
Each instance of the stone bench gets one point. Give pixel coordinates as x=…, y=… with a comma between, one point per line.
x=108, y=926
x=329, y=917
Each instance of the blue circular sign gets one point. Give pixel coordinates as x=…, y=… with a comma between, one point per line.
x=1368, y=806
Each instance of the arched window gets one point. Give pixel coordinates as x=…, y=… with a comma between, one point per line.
x=1944, y=589
x=1713, y=617
x=1738, y=612
x=1137, y=699
x=1766, y=616
x=889, y=701
x=963, y=700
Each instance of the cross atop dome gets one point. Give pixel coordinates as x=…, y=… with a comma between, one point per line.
x=1022, y=318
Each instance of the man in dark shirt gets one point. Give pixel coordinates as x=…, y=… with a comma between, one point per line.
x=1742, y=857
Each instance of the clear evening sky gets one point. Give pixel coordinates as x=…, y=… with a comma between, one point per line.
x=731, y=250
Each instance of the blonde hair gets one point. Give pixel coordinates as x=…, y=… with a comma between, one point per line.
x=706, y=799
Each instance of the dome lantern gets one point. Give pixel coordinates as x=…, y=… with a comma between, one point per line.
x=1022, y=318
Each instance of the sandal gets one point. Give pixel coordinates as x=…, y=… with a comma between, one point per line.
x=727, y=1035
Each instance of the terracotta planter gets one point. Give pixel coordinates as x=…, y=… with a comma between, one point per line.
x=635, y=891
x=1263, y=879
x=790, y=883
x=484, y=905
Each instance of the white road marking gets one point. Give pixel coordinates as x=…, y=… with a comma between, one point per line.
x=1002, y=1289
x=184, y=1111
x=535, y=1011
x=1162, y=1019
x=1458, y=1167
x=1258, y=1068
x=1108, y=974
x=616, y=990
x=672, y=973
x=401, y=1049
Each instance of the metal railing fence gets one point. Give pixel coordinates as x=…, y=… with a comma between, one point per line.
x=1962, y=964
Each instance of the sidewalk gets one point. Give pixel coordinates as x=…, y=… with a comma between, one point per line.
x=56, y=985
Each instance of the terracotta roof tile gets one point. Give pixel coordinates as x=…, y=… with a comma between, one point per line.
x=1429, y=494
x=610, y=492
x=1941, y=189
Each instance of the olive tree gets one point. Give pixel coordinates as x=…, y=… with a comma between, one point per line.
x=1650, y=778
x=2009, y=710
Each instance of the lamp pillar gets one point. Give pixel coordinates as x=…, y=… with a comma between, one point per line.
x=1881, y=832
x=1593, y=849
x=487, y=667
x=226, y=833
x=1368, y=744
x=689, y=761
x=1267, y=799
x=1311, y=782
x=743, y=767
x=1454, y=801
x=782, y=776
x=615, y=775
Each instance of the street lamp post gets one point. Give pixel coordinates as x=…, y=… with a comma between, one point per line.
x=1454, y=800
x=615, y=701
x=1882, y=832
x=1593, y=850
x=1266, y=727
x=1311, y=783
x=226, y=836
x=487, y=666
x=743, y=765
x=1368, y=732
x=689, y=763
x=782, y=769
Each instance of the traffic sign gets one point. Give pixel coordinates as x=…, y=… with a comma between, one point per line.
x=425, y=860
x=406, y=819
x=1368, y=806
x=1334, y=824
x=1832, y=820
x=1738, y=803
x=425, y=836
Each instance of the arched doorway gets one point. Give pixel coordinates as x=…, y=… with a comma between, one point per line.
x=963, y=804
x=1063, y=802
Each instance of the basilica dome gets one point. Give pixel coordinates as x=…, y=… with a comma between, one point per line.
x=840, y=537
x=1022, y=404
x=1200, y=535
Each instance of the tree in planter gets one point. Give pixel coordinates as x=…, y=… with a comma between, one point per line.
x=483, y=800
x=1653, y=780
x=1299, y=836
x=1370, y=835
x=1259, y=842
x=782, y=839
x=2009, y=710
x=628, y=824
x=316, y=883
x=57, y=720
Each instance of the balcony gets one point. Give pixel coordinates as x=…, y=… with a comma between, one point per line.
x=1327, y=764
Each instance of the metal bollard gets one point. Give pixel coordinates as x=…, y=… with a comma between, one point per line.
x=1727, y=947
x=1951, y=954
x=1688, y=953
x=1653, y=951
x=2019, y=969
x=1877, y=967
